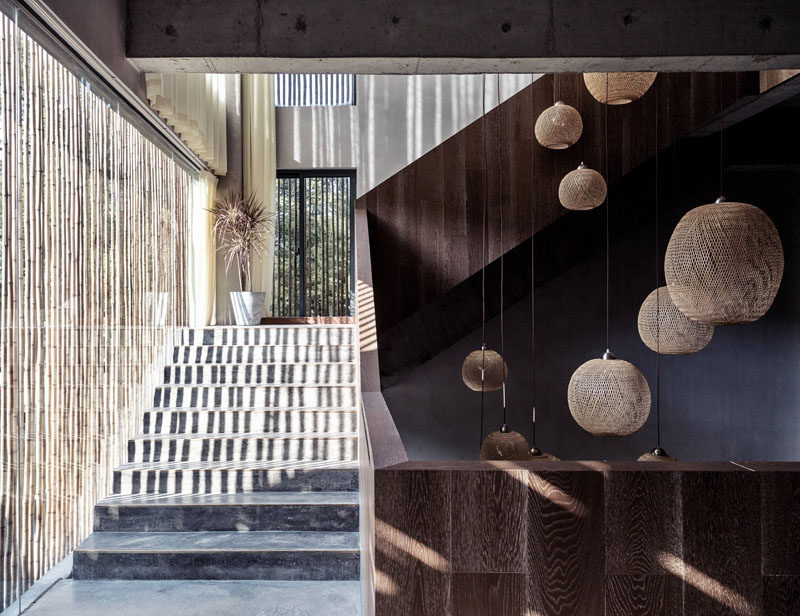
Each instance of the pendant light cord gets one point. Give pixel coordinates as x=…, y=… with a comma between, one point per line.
x=721, y=128
x=608, y=235
x=483, y=254
x=533, y=278
x=500, y=136
x=658, y=299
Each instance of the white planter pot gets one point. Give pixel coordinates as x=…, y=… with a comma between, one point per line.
x=248, y=306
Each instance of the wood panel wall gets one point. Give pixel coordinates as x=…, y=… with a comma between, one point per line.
x=426, y=220
x=587, y=539
x=93, y=233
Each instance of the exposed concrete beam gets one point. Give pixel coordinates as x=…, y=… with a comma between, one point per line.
x=462, y=36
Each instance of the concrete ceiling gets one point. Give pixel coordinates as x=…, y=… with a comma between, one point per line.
x=462, y=36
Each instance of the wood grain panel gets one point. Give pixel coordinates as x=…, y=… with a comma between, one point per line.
x=721, y=543
x=642, y=521
x=410, y=262
x=644, y=595
x=489, y=521
x=412, y=543
x=565, y=543
x=489, y=594
x=780, y=523
x=780, y=595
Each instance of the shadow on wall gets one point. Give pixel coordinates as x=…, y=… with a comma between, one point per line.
x=397, y=119
x=737, y=399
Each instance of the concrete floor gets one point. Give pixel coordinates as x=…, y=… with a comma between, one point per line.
x=198, y=598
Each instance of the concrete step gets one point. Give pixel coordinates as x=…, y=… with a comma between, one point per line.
x=243, y=447
x=258, y=374
x=235, y=477
x=328, y=511
x=233, y=421
x=333, y=335
x=261, y=555
x=264, y=396
x=292, y=354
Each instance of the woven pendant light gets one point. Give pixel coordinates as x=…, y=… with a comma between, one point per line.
x=504, y=444
x=724, y=263
x=609, y=397
x=618, y=88
x=558, y=127
x=582, y=189
x=657, y=455
x=665, y=329
x=484, y=370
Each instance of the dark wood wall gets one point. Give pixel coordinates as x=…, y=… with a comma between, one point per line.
x=425, y=232
x=588, y=539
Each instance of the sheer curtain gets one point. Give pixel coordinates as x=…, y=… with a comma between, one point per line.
x=258, y=161
x=201, y=258
x=194, y=106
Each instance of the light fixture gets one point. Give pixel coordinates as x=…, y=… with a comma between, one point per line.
x=504, y=444
x=724, y=263
x=582, y=189
x=618, y=88
x=484, y=370
x=657, y=455
x=608, y=396
x=558, y=127
x=665, y=329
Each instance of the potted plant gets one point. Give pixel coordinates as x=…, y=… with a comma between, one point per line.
x=242, y=227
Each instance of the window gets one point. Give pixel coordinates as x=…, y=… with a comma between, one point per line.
x=317, y=90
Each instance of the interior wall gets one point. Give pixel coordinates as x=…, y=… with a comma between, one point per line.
x=396, y=119
x=737, y=399
x=101, y=25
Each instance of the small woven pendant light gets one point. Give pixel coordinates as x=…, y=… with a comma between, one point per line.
x=558, y=127
x=504, y=444
x=618, y=88
x=608, y=396
x=665, y=329
x=484, y=370
x=724, y=263
x=582, y=189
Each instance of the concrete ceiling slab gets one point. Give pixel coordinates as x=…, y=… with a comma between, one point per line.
x=461, y=36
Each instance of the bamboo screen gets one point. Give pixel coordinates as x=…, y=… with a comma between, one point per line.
x=92, y=255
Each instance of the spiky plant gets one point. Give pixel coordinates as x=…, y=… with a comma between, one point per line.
x=242, y=227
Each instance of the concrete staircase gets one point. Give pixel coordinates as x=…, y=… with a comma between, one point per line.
x=246, y=466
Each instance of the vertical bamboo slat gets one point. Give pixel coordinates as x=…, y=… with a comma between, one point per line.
x=91, y=288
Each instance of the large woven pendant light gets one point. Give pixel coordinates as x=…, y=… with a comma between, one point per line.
x=559, y=127
x=582, y=189
x=618, y=88
x=665, y=329
x=608, y=396
x=724, y=263
x=535, y=452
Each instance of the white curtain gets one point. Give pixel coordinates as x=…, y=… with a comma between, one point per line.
x=259, y=157
x=194, y=106
x=201, y=260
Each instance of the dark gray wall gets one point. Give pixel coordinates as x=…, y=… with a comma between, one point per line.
x=737, y=399
x=101, y=25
